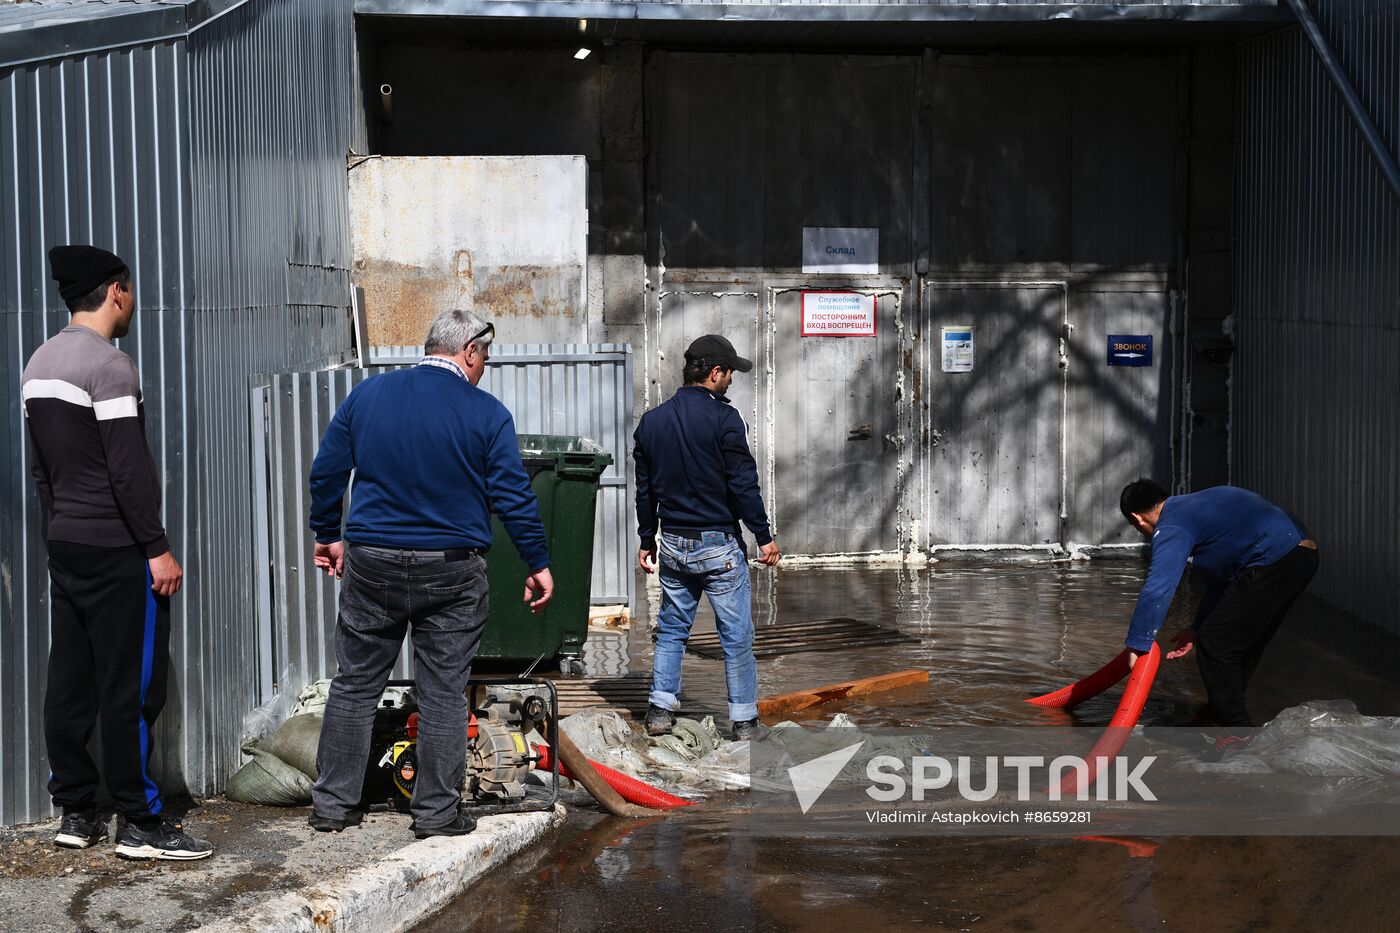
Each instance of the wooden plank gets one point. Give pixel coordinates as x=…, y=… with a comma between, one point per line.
x=787, y=703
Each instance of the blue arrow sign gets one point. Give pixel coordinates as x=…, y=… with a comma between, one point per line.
x=1129, y=349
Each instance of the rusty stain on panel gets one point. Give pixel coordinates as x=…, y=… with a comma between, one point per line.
x=401, y=300
x=528, y=291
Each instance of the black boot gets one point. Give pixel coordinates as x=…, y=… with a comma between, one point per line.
x=659, y=721
x=748, y=730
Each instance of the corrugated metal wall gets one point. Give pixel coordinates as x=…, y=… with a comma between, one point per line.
x=570, y=389
x=215, y=165
x=1314, y=420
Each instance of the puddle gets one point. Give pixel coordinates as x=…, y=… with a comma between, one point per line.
x=989, y=635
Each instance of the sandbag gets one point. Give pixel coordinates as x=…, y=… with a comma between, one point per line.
x=269, y=781
x=295, y=742
x=312, y=698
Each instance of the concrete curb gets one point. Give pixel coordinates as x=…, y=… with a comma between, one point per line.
x=401, y=890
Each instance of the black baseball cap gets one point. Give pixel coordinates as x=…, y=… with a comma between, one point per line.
x=716, y=351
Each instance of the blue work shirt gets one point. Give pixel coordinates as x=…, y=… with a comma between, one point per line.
x=694, y=469
x=1222, y=530
x=433, y=456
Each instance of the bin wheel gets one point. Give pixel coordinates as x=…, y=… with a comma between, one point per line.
x=571, y=667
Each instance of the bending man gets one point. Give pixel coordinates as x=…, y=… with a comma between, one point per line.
x=1256, y=558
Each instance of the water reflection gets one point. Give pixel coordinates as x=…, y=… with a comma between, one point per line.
x=990, y=635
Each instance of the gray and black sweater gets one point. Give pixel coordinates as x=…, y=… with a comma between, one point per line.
x=87, y=432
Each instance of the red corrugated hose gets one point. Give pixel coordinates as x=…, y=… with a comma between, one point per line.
x=1124, y=718
x=631, y=789
x=1089, y=687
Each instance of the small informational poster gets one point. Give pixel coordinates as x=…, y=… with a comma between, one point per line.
x=957, y=349
x=1129, y=349
x=843, y=250
x=838, y=314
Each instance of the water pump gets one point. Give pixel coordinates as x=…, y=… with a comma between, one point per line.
x=501, y=714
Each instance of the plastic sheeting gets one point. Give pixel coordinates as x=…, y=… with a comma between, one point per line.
x=1325, y=739
x=607, y=738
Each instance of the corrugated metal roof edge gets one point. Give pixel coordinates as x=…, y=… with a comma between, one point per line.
x=779, y=11
x=97, y=27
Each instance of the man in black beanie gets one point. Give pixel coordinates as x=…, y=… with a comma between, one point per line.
x=110, y=566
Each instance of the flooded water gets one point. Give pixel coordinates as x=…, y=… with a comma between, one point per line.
x=989, y=635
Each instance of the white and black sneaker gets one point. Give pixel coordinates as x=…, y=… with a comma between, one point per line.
x=80, y=830
x=165, y=841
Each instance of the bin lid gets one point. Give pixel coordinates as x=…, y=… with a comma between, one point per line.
x=563, y=449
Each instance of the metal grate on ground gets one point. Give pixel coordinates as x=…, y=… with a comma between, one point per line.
x=770, y=641
x=624, y=695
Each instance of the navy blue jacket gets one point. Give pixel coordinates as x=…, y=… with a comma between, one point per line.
x=1222, y=530
x=694, y=469
x=433, y=455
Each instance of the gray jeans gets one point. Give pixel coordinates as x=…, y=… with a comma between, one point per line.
x=384, y=592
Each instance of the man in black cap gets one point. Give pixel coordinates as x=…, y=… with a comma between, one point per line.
x=695, y=471
x=111, y=569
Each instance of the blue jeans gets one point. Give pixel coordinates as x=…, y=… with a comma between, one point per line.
x=717, y=567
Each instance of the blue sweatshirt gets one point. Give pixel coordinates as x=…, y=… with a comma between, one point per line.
x=433, y=456
x=694, y=468
x=1222, y=530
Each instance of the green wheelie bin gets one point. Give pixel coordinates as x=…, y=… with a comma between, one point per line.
x=564, y=473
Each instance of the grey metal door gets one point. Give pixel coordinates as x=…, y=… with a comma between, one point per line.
x=835, y=434
x=1120, y=417
x=996, y=473
x=685, y=315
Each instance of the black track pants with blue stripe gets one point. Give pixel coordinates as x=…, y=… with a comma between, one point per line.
x=108, y=658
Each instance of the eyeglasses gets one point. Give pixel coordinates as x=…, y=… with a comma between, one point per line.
x=489, y=329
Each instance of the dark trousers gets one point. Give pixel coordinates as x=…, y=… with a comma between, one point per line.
x=383, y=594
x=1232, y=638
x=109, y=653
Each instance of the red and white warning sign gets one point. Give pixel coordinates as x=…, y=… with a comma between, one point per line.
x=838, y=314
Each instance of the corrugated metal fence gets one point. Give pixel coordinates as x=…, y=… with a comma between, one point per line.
x=225, y=190
x=1317, y=284
x=571, y=389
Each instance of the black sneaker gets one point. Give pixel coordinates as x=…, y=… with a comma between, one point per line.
x=749, y=730
x=80, y=830
x=329, y=824
x=463, y=824
x=659, y=721
x=167, y=841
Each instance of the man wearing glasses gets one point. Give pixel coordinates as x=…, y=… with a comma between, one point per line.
x=433, y=457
